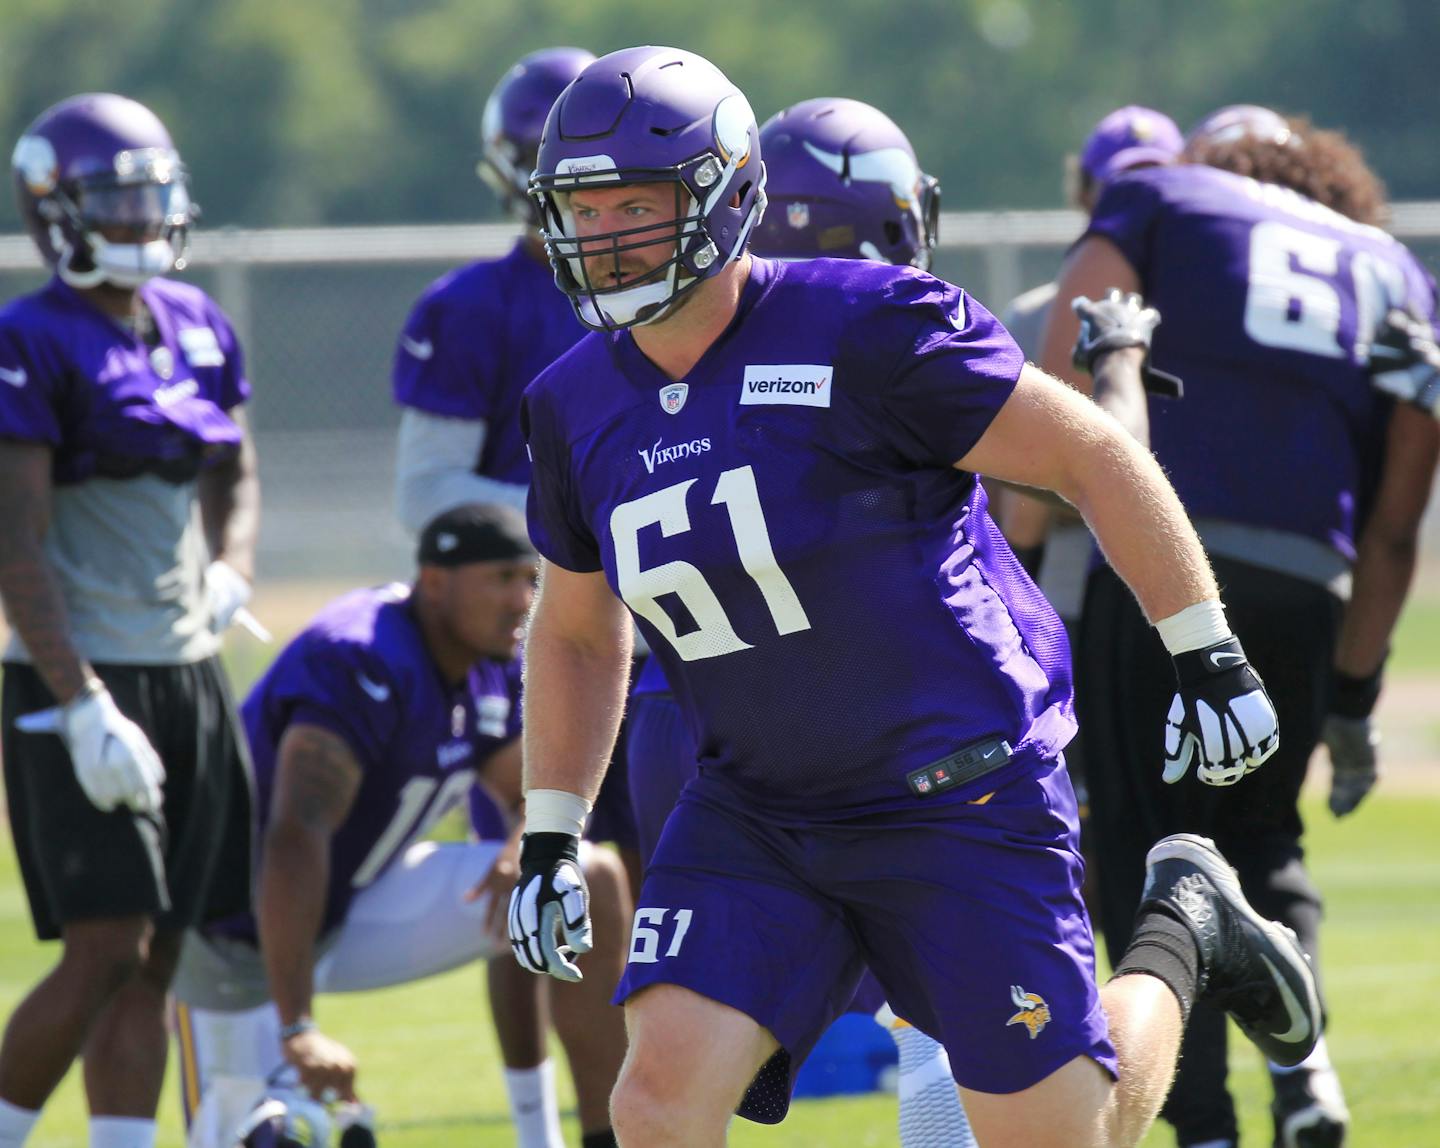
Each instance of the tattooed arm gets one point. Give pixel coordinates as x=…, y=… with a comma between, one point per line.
x=33, y=603
x=315, y=785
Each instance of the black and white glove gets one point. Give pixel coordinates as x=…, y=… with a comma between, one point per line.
x=1120, y=320
x=1405, y=362
x=114, y=761
x=1221, y=716
x=550, y=907
x=1352, y=740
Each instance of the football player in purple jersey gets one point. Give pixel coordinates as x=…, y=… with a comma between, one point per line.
x=773, y=466
x=843, y=182
x=1307, y=486
x=370, y=726
x=128, y=510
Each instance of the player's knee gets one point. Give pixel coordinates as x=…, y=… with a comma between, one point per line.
x=651, y=1106
x=104, y=956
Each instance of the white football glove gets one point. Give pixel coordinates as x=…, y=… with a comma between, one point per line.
x=113, y=759
x=227, y=592
x=1221, y=716
x=550, y=898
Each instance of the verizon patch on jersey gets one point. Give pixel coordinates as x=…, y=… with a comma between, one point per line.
x=791, y=384
x=975, y=760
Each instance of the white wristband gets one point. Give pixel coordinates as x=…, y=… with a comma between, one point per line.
x=555, y=811
x=1194, y=628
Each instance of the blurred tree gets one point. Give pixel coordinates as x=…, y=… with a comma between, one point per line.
x=356, y=111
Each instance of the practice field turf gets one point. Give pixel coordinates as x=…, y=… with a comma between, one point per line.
x=428, y=1058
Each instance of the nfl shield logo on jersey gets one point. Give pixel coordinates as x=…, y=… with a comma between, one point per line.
x=673, y=397
x=797, y=215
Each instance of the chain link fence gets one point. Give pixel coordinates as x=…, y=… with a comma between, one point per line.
x=318, y=312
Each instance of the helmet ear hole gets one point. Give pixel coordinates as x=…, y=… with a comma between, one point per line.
x=892, y=233
x=740, y=196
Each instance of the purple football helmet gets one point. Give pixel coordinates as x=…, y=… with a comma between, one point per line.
x=1240, y=121
x=649, y=116
x=102, y=161
x=513, y=119
x=843, y=182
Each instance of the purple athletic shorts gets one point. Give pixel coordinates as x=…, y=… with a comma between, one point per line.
x=970, y=916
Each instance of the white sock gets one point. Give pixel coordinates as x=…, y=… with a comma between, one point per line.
x=533, y=1106
x=15, y=1124
x=931, y=1115
x=121, y=1132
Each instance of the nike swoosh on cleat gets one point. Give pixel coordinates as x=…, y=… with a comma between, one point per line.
x=1299, y=1022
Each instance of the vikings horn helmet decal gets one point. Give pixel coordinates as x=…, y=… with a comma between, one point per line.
x=96, y=162
x=514, y=118
x=655, y=116
x=843, y=181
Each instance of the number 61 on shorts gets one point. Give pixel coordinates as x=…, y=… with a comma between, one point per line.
x=646, y=939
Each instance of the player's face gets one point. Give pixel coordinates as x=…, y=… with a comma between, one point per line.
x=600, y=212
x=486, y=605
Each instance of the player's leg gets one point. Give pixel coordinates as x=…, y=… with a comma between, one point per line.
x=94, y=879
x=226, y=1058
x=591, y=1028
x=690, y=1061
x=520, y=1013
x=735, y=962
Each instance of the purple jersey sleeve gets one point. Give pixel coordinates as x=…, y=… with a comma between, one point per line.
x=440, y=362
x=28, y=392
x=1126, y=214
x=234, y=383
x=332, y=685
x=557, y=528
x=958, y=367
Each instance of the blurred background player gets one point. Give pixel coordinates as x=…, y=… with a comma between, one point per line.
x=1307, y=487
x=368, y=728
x=472, y=342
x=1056, y=547
x=128, y=511
x=843, y=182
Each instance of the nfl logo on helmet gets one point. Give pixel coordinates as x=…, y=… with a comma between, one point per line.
x=672, y=398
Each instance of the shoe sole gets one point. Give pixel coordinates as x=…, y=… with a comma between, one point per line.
x=1284, y=945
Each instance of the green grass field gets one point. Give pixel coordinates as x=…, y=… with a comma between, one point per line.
x=429, y=1061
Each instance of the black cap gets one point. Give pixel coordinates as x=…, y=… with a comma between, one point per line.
x=476, y=532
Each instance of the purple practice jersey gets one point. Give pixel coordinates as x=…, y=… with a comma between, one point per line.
x=1269, y=301
x=828, y=596
x=362, y=671
x=474, y=340
x=111, y=405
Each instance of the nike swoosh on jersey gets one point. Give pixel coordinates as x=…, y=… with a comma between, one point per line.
x=16, y=376
x=377, y=691
x=1218, y=654
x=1299, y=1023
x=422, y=349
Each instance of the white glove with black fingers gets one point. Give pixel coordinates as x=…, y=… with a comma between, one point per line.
x=227, y=592
x=1405, y=362
x=550, y=907
x=113, y=759
x=1221, y=716
x=1115, y=321
x=1351, y=739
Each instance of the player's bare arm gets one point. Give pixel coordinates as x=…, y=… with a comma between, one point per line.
x=578, y=650
x=229, y=495
x=1046, y=436
x=33, y=603
x=1093, y=267
x=315, y=787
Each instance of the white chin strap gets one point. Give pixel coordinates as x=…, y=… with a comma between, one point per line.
x=618, y=308
x=120, y=264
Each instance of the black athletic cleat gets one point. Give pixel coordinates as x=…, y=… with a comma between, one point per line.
x=1252, y=968
x=1309, y=1109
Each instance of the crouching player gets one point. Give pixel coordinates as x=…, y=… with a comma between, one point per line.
x=370, y=725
